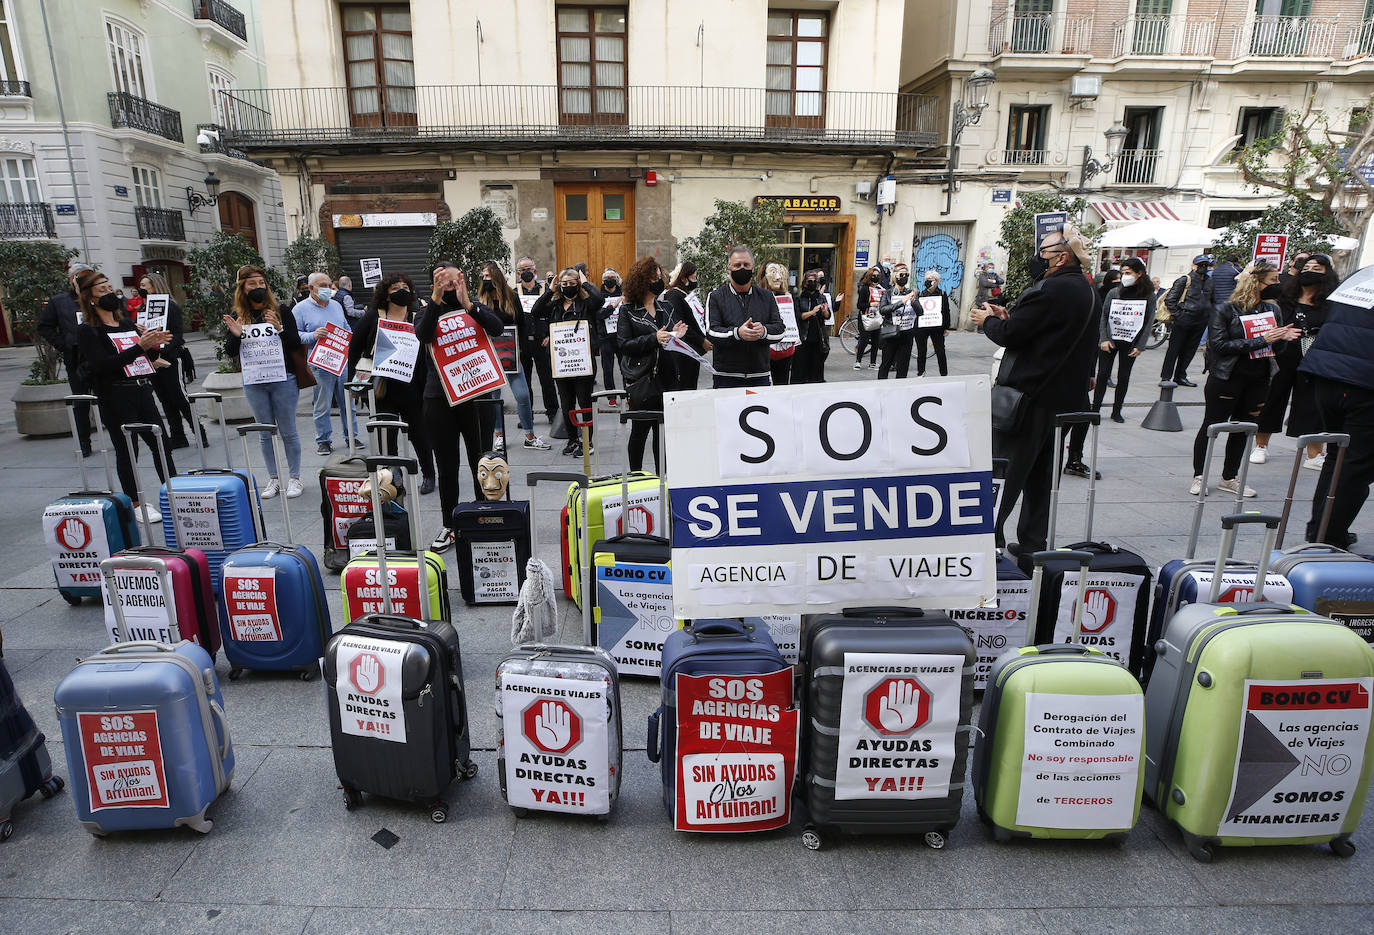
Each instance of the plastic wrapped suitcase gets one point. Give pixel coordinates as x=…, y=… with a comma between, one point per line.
x=166, y=591
x=878, y=681
x=1038, y=699
x=87, y=525
x=1257, y=721
x=25, y=767
x=398, y=716
x=276, y=616
x=147, y=741
x=220, y=514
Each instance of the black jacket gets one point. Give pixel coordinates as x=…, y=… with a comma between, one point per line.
x=586, y=306
x=1341, y=351
x=1050, y=340
x=104, y=365
x=814, y=330
x=1190, y=299
x=398, y=395
x=533, y=330
x=681, y=311
x=647, y=369
x=946, y=317
x=1227, y=344
x=427, y=326
x=58, y=323
x=603, y=316
x=726, y=310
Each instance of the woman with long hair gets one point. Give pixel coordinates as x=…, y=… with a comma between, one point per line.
x=273, y=401
x=496, y=294
x=642, y=331
x=394, y=299
x=682, y=300
x=1303, y=305
x=167, y=381
x=1239, y=367
x=573, y=299
x=813, y=320
x=863, y=298
x=899, y=324
x=119, y=360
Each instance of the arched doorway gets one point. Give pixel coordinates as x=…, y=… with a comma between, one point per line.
x=238, y=216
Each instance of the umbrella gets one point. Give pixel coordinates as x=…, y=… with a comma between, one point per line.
x=1159, y=232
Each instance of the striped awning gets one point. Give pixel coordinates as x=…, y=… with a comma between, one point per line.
x=1130, y=211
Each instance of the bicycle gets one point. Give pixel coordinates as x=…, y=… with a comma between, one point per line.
x=1159, y=334
x=849, y=334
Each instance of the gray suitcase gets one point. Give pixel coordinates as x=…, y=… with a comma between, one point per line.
x=25, y=767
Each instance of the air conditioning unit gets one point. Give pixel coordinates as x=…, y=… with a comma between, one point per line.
x=1085, y=87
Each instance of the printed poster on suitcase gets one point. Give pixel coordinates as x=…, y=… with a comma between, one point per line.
x=1300, y=757
x=634, y=607
x=250, y=597
x=77, y=542
x=899, y=716
x=994, y=630
x=556, y=734
x=346, y=505
x=122, y=754
x=736, y=752
x=145, y=606
x=363, y=590
x=368, y=687
x=1108, y=611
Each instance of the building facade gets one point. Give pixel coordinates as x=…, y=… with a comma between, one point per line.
x=104, y=142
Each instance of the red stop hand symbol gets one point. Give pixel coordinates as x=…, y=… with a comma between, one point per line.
x=637, y=519
x=73, y=534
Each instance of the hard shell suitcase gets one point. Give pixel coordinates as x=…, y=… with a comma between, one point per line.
x=340, y=503
x=276, y=616
x=220, y=515
x=170, y=588
x=643, y=491
x=1258, y=721
x=881, y=681
x=1059, y=748
x=146, y=737
x=25, y=767
x=564, y=750
x=88, y=525
x=361, y=533
x=1119, y=581
x=398, y=717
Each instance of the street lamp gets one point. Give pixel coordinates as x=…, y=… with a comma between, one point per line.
x=968, y=110
x=197, y=200
x=1116, y=135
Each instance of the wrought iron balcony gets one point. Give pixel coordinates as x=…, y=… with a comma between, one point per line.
x=135, y=113
x=1040, y=34
x=1027, y=160
x=1360, y=42
x=10, y=88
x=222, y=14
x=505, y=115
x=26, y=219
x=1137, y=166
x=210, y=139
x=1167, y=34
x=160, y=224
x=1287, y=36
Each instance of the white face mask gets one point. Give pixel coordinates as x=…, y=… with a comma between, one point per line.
x=1128, y=280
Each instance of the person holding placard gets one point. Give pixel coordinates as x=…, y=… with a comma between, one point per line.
x=534, y=354
x=118, y=358
x=1240, y=357
x=496, y=294
x=899, y=313
x=166, y=316
x=932, y=302
x=570, y=311
x=313, y=317
x=394, y=303
x=742, y=322
x=687, y=309
x=643, y=329
x=606, y=321
x=263, y=337
x=447, y=423
x=869, y=293
x=780, y=355
x=813, y=320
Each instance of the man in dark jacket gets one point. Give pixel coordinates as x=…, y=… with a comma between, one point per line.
x=57, y=325
x=1050, y=345
x=1224, y=278
x=534, y=333
x=1190, y=301
x=742, y=321
x=1343, y=370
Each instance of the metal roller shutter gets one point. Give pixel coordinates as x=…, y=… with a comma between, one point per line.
x=401, y=249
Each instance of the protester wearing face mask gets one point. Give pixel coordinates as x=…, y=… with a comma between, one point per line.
x=935, y=335
x=899, y=324
x=1190, y=301
x=605, y=329
x=575, y=299
x=312, y=315
x=534, y=336
x=989, y=285
x=863, y=299
x=644, y=328
x=1303, y=305
x=813, y=319
x=167, y=380
x=780, y=355
x=496, y=294
x=58, y=325
x=687, y=310
x=742, y=323
x=1238, y=380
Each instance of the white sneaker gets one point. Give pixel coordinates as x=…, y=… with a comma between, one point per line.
x=858, y=365
x=1315, y=464
x=1259, y=455
x=873, y=366
x=1232, y=485
x=146, y=513
x=271, y=490
x=1196, y=487
x=294, y=488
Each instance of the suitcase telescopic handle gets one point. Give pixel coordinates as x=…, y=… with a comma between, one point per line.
x=1038, y=561
x=1342, y=443
x=555, y=477
x=1231, y=428
x=270, y=430
x=1230, y=525
x=1250, y=519
x=642, y=415
x=377, y=424
x=1339, y=439
x=1078, y=418
x=375, y=462
x=1214, y=432
x=137, y=644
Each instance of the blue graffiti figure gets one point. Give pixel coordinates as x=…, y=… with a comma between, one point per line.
x=940, y=252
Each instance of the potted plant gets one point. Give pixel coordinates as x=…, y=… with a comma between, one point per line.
x=36, y=270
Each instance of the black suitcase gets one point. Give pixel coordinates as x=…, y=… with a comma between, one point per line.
x=885, y=740
x=493, y=549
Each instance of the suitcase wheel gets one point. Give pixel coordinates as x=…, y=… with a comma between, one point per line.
x=999, y=834
x=6, y=829
x=935, y=840
x=56, y=784
x=235, y=672
x=469, y=770
x=811, y=838
x=520, y=812
x=438, y=812
x=352, y=799
x=72, y=599
x=1199, y=848
x=307, y=675
x=1343, y=847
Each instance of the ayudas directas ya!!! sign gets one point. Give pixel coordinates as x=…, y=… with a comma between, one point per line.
x=787, y=499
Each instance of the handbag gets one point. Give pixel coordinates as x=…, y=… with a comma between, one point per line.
x=888, y=330
x=1008, y=408
x=300, y=367
x=872, y=320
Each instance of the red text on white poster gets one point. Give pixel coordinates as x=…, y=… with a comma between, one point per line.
x=250, y=595
x=331, y=351
x=123, y=756
x=464, y=358
x=141, y=366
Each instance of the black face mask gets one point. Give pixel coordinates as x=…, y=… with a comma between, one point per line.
x=902, y=279
x=527, y=275
x=609, y=285
x=741, y=277
x=930, y=285
x=109, y=302
x=256, y=296
x=1310, y=277
x=302, y=294
x=656, y=287
x=809, y=285
x=688, y=287
x=569, y=291
x=402, y=297
x=451, y=298
x=1271, y=291
x=143, y=293
x=1038, y=267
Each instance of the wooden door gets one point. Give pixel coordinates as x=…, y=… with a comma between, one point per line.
x=237, y=216
x=595, y=224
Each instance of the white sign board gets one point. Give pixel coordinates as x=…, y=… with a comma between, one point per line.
x=372, y=271
x=261, y=357
x=932, y=311
x=77, y=541
x=791, y=334
x=788, y=500
x=555, y=734
x=1127, y=317
x=570, y=347
x=148, y=612
x=368, y=684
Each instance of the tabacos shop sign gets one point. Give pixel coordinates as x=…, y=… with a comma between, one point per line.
x=803, y=204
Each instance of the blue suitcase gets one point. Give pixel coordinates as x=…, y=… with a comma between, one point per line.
x=236, y=523
x=274, y=611
x=146, y=738
x=720, y=646
x=67, y=523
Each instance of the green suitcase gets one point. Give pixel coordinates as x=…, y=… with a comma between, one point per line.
x=644, y=490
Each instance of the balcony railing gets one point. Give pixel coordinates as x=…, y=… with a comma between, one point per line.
x=1137, y=166
x=135, y=113
x=10, y=88
x=1040, y=34
x=26, y=219
x=1286, y=36
x=513, y=114
x=222, y=14
x=159, y=224
x=1049, y=159
x=1361, y=41
x=216, y=142
x=1170, y=34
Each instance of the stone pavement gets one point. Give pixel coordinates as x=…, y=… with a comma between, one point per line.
x=285, y=857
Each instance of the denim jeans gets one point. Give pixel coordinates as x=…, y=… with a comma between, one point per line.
x=328, y=390
x=521, y=388
x=275, y=404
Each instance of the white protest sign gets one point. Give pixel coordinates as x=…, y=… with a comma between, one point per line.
x=153, y=315
x=570, y=348
x=613, y=319
x=368, y=676
x=197, y=519
x=785, y=497
x=395, y=351
x=495, y=576
x=785, y=631
x=141, y=366
x=357, y=546
x=680, y=346
x=634, y=609
x=791, y=334
x=371, y=268
x=899, y=719
x=646, y=513
x=1358, y=290
x=994, y=630
x=932, y=311
x=1299, y=759
x=1082, y=761
x=695, y=304
x=1238, y=587
x=1108, y=611
x=261, y=356
x=145, y=606
x=555, y=735
x=527, y=302
x=1127, y=317
x=77, y=542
